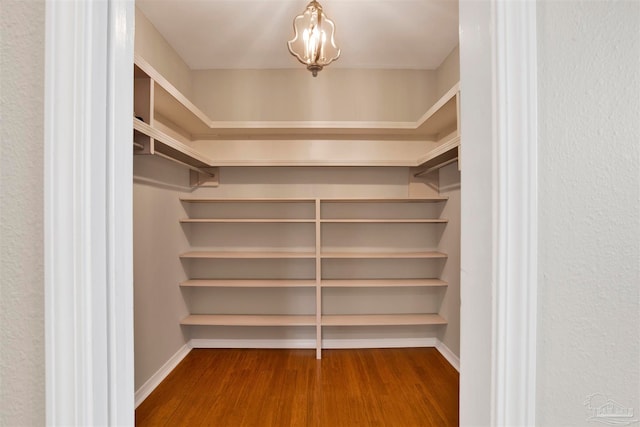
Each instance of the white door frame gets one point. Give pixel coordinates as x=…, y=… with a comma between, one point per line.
x=88, y=210
x=498, y=67
x=88, y=229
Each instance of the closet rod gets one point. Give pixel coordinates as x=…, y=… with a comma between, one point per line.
x=197, y=169
x=151, y=181
x=438, y=166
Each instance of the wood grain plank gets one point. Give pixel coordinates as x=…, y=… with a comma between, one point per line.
x=274, y=388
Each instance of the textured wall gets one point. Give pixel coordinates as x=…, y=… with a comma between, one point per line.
x=22, y=374
x=589, y=187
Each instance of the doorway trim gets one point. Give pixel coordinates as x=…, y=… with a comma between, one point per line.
x=516, y=213
x=88, y=229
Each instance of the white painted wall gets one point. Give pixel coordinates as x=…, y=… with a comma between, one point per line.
x=476, y=259
x=22, y=370
x=589, y=207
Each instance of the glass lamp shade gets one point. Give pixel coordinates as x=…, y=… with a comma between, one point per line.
x=313, y=42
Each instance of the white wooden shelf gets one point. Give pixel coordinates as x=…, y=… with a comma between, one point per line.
x=313, y=213
x=245, y=255
x=382, y=320
x=248, y=320
x=170, y=108
x=435, y=199
x=447, y=152
x=384, y=255
x=385, y=221
x=382, y=283
x=171, y=147
x=244, y=220
x=236, y=283
x=246, y=200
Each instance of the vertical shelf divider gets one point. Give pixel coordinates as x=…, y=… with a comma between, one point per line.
x=318, y=283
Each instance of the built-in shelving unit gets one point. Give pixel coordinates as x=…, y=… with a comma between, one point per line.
x=168, y=124
x=399, y=225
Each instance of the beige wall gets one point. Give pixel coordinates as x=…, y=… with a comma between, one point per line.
x=589, y=208
x=153, y=47
x=449, y=182
x=22, y=371
x=293, y=94
x=158, y=241
x=448, y=73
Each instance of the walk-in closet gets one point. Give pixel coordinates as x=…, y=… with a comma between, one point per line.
x=278, y=210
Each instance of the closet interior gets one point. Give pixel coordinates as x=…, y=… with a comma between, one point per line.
x=283, y=225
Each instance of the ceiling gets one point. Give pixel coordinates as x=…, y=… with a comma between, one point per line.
x=252, y=34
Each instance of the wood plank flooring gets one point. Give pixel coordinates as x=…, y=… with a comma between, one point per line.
x=372, y=387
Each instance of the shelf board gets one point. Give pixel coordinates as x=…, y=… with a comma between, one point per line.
x=248, y=320
x=246, y=200
x=372, y=255
x=245, y=220
x=442, y=116
x=382, y=320
x=382, y=283
x=436, y=199
x=237, y=283
x=386, y=221
x=171, y=147
x=446, y=152
x=245, y=255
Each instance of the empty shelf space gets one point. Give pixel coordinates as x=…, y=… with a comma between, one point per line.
x=386, y=221
x=245, y=255
x=381, y=283
x=371, y=255
x=382, y=320
x=248, y=320
x=235, y=283
x=243, y=220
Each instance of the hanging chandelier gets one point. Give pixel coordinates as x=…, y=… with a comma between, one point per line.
x=313, y=42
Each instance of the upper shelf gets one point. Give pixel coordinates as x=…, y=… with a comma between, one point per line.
x=440, y=120
x=172, y=126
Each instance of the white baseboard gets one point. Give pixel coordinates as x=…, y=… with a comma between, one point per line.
x=161, y=374
x=255, y=343
x=311, y=344
x=143, y=392
x=378, y=343
x=448, y=354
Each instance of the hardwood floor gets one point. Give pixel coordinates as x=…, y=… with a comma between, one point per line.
x=373, y=387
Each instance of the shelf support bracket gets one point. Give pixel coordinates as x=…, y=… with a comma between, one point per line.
x=205, y=177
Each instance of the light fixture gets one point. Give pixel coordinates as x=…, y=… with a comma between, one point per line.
x=313, y=42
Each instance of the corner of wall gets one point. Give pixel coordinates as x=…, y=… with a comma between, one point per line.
x=448, y=73
x=155, y=49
